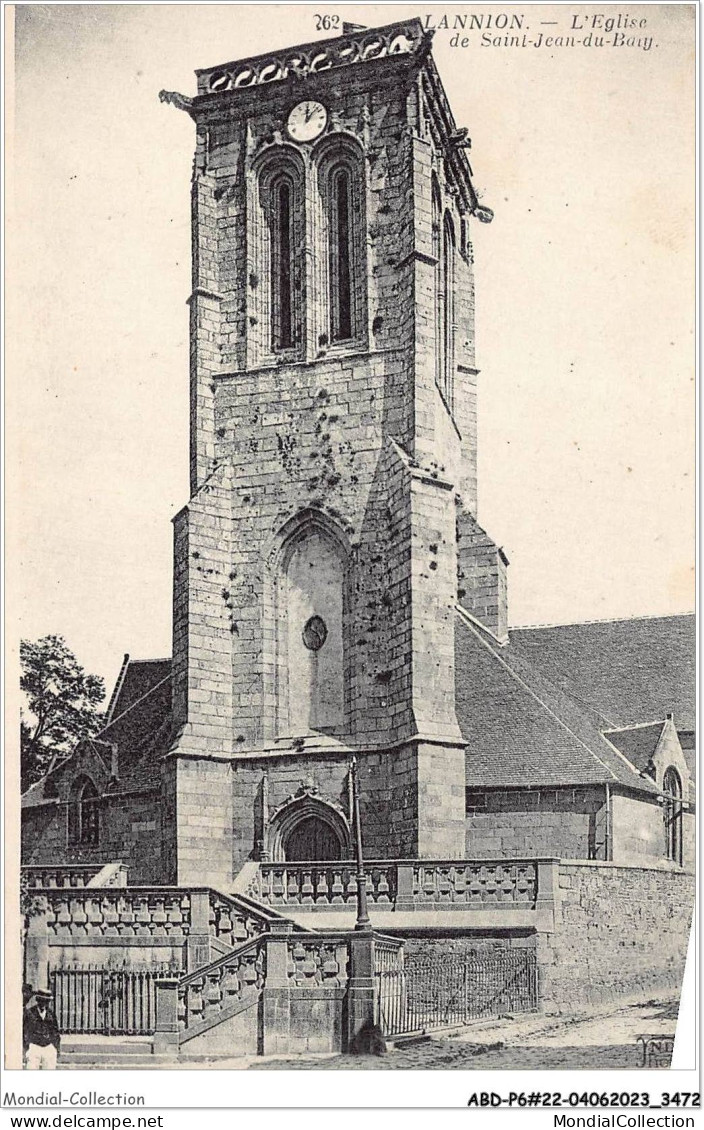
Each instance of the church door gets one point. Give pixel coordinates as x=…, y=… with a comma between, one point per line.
x=312, y=839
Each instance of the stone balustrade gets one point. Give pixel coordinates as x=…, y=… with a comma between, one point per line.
x=284, y=991
x=475, y=884
x=157, y=912
x=231, y=922
x=317, y=961
x=324, y=885
x=207, y=995
x=117, y=912
x=61, y=876
x=402, y=884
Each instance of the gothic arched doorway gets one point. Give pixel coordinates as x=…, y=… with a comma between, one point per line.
x=312, y=838
x=308, y=828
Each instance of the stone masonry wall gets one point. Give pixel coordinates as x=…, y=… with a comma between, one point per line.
x=441, y=786
x=296, y=449
x=457, y=944
x=481, y=575
x=316, y=434
x=354, y=438
x=202, y=621
x=130, y=831
x=568, y=823
x=689, y=841
x=638, y=831
x=203, y=822
x=621, y=933
x=407, y=797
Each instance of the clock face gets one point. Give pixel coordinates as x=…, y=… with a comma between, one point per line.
x=307, y=121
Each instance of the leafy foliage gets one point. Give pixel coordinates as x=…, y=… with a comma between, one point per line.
x=31, y=902
x=62, y=703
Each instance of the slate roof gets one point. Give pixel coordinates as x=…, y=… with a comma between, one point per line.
x=521, y=729
x=139, y=721
x=638, y=743
x=547, y=709
x=136, y=679
x=36, y=795
x=630, y=671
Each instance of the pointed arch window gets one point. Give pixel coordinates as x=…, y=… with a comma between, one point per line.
x=84, y=813
x=278, y=283
x=672, y=814
x=282, y=267
x=310, y=626
x=438, y=297
x=448, y=310
x=341, y=256
x=341, y=183
x=310, y=629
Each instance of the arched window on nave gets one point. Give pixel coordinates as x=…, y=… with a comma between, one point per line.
x=672, y=814
x=84, y=813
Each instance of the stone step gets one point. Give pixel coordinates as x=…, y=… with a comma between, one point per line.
x=77, y=1041
x=89, y=1056
x=96, y=1048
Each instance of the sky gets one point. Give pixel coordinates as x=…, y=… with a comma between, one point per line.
x=585, y=307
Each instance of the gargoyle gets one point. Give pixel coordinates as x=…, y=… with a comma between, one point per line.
x=180, y=101
x=460, y=140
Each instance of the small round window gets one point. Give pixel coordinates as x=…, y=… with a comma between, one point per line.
x=315, y=633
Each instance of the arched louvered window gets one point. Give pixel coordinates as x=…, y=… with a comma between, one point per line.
x=448, y=310
x=84, y=813
x=282, y=267
x=341, y=255
x=277, y=304
x=436, y=222
x=341, y=183
x=672, y=814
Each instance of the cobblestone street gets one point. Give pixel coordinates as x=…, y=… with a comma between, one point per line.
x=536, y=1043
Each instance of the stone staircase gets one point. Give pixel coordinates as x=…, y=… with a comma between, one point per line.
x=205, y=929
x=178, y=974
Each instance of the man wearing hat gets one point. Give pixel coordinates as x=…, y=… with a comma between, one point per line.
x=41, y=1036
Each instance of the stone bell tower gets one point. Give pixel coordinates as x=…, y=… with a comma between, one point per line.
x=333, y=459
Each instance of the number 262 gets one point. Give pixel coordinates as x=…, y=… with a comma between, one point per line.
x=326, y=23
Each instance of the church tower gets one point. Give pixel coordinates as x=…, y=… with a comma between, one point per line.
x=333, y=461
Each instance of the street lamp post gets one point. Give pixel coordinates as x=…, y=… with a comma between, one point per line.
x=362, y=923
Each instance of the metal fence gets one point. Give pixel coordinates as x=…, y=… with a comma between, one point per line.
x=109, y=1002
x=436, y=992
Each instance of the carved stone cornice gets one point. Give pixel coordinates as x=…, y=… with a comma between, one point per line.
x=312, y=59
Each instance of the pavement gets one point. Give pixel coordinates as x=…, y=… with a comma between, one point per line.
x=606, y=1041
x=613, y=1038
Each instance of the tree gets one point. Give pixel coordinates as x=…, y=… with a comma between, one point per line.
x=62, y=703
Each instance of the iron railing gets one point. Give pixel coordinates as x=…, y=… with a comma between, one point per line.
x=109, y=1002
x=388, y=953
x=438, y=992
